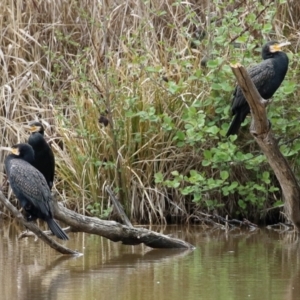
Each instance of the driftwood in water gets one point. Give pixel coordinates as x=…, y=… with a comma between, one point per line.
x=115, y=231
x=111, y=230
x=262, y=134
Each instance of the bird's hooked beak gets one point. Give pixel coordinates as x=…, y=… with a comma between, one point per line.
x=13, y=150
x=277, y=47
x=32, y=128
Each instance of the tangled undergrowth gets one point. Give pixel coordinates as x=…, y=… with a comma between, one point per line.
x=157, y=76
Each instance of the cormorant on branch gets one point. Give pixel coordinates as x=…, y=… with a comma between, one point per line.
x=267, y=76
x=43, y=155
x=30, y=187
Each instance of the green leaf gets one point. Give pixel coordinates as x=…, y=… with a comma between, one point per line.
x=210, y=203
x=267, y=28
x=289, y=87
x=233, y=185
x=173, y=87
x=225, y=191
x=226, y=86
x=175, y=173
x=206, y=163
x=161, y=13
x=195, y=177
x=278, y=203
x=251, y=17
x=207, y=154
x=158, y=177
x=197, y=197
x=216, y=86
x=266, y=175
x=153, y=69
x=273, y=189
x=224, y=175
x=212, y=64
x=242, y=204
x=179, y=136
x=213, y=129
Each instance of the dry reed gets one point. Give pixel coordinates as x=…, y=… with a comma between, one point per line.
x=66, y=62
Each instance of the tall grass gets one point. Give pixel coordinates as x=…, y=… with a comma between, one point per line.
x=68, y=62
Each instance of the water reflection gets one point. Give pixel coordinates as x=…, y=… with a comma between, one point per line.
x=236, y=265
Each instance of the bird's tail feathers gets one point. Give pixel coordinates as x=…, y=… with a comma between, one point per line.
x=56, y=229
x=235, y=125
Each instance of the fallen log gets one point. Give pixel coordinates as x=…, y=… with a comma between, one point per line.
x=115, y=231
x=111, y=230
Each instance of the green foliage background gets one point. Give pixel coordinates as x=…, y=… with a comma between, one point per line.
x=159, y=72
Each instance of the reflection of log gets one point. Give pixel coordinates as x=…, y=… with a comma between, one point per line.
x=116, y=232
x=290, y=255
x=262, y=134
x=31, y=226
x=120, y=267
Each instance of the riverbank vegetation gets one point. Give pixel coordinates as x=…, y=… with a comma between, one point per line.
x=157, y=75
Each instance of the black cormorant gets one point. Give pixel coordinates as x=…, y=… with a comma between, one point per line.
x=267, y=77
x=30, y=187
x=43, y=156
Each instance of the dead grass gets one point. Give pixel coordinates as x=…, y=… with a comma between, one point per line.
x=68, y=61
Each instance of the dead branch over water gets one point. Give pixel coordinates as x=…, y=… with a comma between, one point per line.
x=262, y=134
x=111, y=230
x=115, y=231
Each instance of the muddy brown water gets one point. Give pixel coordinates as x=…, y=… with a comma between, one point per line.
x=237, y=265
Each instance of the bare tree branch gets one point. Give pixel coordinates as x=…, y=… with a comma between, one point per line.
x=262, y=134
x=111, y=230
x=115, y=231
x=118, y=207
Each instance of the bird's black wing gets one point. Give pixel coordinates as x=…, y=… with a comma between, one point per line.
x=51, y=166
x=44, y=157
x=30, y=185
x=260, y=74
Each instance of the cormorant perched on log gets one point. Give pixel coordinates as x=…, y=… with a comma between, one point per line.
x=267, y=76
x=30, y=187
x=43, y=156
